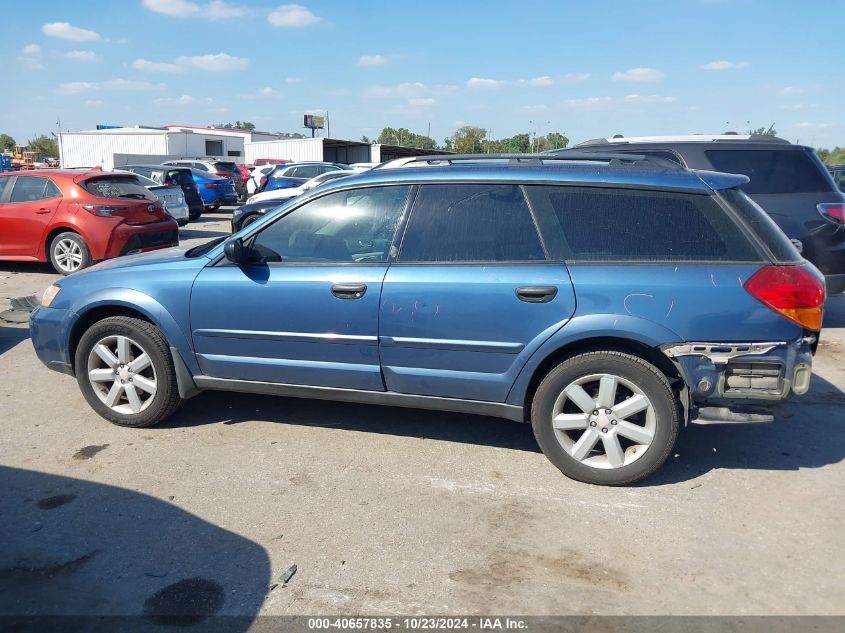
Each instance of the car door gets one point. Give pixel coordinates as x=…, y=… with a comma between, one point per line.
x=304, y=309
x=471, y=296
x=26, y=209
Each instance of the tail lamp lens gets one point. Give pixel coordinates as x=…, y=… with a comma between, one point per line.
x=211, y=185
x=103, y=210
x=834, y=212
x=796, y=292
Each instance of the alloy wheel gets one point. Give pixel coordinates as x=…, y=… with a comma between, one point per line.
x=604, y=421
x=68, y=255
x=122, y=374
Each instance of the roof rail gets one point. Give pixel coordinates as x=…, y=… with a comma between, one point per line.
x=610, y=158
x=729, y=137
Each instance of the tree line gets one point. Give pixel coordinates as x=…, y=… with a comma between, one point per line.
x=470, y=139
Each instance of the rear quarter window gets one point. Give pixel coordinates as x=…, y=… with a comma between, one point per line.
x=118, y=187
x=762, y=225
x=773, y=170
x=613, y=225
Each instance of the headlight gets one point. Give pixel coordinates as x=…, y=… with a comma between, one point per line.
x=51, y=293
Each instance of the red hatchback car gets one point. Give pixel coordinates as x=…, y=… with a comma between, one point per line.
x=74, y=218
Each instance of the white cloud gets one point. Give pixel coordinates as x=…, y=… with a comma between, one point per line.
x=30, y=62
x=422, y=102
x=535, y=108
x=791, y=90
x=66, y=31
x=293, y=80
x=33, y=50
x=407, y=90
x=484, y=83
x=157, y=67
x=545, y=80
x=183, y=100
x=590, y=103
x=818, y=126
x=639, y=74
x=575, y=77
x=265, y=91
x=81, y=56
x=132, y=85
x=292, y=16
x=128, y=85
x=77, y=87
x=635, y=98
x=725, y=65
x=800, y=106
x=218, y=62
x=213, y=10
x=93, y=102
x=372, y=60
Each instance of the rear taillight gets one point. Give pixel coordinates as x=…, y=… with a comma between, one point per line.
x=211, y=185
x=834, y=212
x=796, y=292
x=223, y=174
x=104, y=210
x=263, y=181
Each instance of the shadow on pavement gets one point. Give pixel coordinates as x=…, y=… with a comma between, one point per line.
x=10, y=336
x=195, y=234
x=78, y=548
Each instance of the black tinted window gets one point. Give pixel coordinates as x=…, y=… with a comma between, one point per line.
x=596, y=224
x=762, y=225
x=28, y=188
x=306, y=171
x=179, y=177
x=354, y=226
x=118, y=187
x=772, y=171
x=471, y=223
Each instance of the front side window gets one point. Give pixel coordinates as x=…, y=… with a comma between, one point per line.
x=471, y=223
x=597, y=224
x=29, y=188
x=355, y=226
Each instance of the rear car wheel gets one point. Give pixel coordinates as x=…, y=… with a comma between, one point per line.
x=69, y=253
x=126, y=373
x=249, y=220
x=606, y=418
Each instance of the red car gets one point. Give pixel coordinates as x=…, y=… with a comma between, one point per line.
x=74, y=218
x=269, y=161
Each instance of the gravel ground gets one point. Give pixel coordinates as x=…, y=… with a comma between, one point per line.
x=389, y=510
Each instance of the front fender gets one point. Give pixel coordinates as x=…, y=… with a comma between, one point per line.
x=146, y=305
x=591, y=326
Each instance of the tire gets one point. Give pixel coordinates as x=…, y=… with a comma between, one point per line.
x=145, y=409
x=213, y=207
x=612, y=449
x=69, y=253
x=193, y=217
x=249, y=220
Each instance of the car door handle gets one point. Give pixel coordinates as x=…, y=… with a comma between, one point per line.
x=42, y=211
x=349, y=291
x=536, y=294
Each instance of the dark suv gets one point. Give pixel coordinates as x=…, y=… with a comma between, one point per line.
x=788, y=181
x=173, y=176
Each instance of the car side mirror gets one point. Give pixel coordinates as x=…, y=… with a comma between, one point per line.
x=235, y=251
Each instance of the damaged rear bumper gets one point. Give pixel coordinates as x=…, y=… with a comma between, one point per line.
x=739, y=383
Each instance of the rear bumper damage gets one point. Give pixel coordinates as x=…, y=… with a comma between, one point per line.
x=741, y=383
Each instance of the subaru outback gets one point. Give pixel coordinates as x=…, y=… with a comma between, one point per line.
x=609, y=301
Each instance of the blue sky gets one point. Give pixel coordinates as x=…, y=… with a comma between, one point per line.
x=586, y=68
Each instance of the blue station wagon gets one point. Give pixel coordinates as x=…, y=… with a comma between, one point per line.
x=608, y=300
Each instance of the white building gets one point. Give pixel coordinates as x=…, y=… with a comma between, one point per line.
x=114, y=147
x=327, y=149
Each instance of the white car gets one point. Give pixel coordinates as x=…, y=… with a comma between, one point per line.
x=172, y=197
x=292, y=192
x=256, y=176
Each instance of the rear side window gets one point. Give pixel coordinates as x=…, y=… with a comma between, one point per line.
x=471, y=223
x=595, y=224
x=118, y=187
x=227, y=167
x=29, y=188
x=4, y=181
x=772, y=171
x=763, y=226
